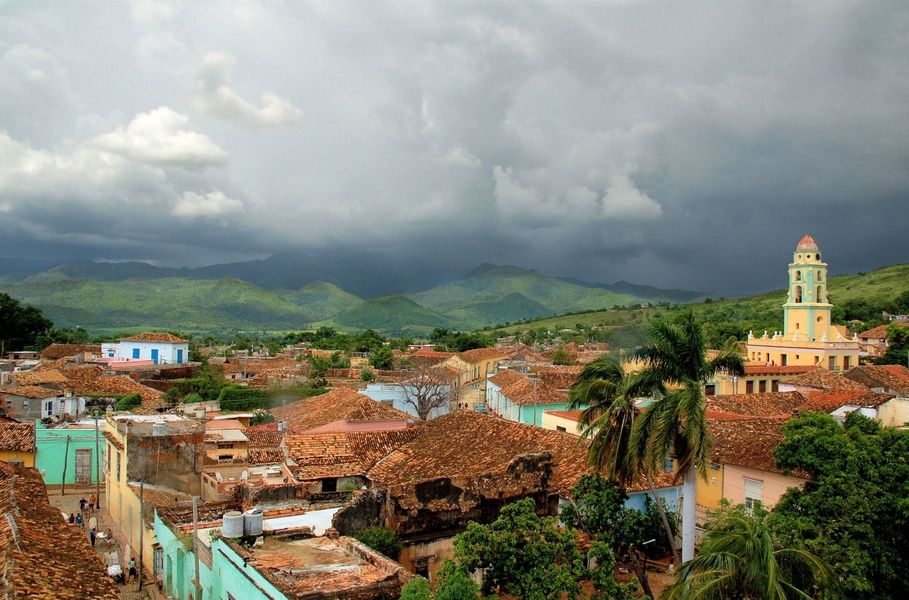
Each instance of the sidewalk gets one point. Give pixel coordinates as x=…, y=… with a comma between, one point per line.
x=69, y=503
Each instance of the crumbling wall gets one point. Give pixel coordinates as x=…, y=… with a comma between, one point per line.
x=173, y=461
x=365, y=511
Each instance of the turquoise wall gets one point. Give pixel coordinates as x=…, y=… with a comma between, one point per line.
x=239, y=580
x=180, y=567
x=527, y=412
x=50, y=445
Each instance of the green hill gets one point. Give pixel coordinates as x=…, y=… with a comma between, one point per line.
x=513, y=307
x=853, y=297
x=392, y=314
x=490, y=284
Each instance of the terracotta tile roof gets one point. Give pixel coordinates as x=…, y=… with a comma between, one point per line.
x=806, y=243
x=875, y=333
x=17, y=437
x=45, y=558
x=155, y=336
x=467, y=445
x=777, y=369
x=259, y=438
x=480, y=354
x=89, y=381
x=30, y=391
x=747, y=442
x=40, y=376
x=507, y=377
x=265, y=456
x=894, y=377
x=339, y=404
x=224, y=424
x=273, y=426
x=822, y=379
x=571, y=415
x=527, y=393
x=830, y=401
x=560, y=377
x=56, y=351
x=320, y=455
x=757, y=405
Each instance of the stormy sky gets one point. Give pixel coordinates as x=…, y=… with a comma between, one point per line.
x=685, y=145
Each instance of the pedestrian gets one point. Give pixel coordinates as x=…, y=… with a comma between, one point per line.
x=79, y=521
x=91, y=502
x=93, y=523
x=132, y=570
x=72, y=518
x=92, y=536
x=81, y=504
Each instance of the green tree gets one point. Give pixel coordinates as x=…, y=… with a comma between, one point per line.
x=455, y=584
x=21, y=326
x=192, y=398
x=853, y=514
x=524, y=555
x=740, y=559
x=128, y=402
x=607, y=394
x=562, y=357
x=676, y=369
x=367, y=376
x=382, y=359
x=381, y=539
x=318, y=367
x=416, y=589
x=897, y=346
x=262, y=416
x=339, y=360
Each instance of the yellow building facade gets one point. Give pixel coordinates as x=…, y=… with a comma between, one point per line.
x=809, y=338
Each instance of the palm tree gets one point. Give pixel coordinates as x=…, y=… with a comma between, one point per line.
x=607, y=394
x=739, y=560
x=676, y=369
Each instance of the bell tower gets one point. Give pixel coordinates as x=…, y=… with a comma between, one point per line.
x=806, y=314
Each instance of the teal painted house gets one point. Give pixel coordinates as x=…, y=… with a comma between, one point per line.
x=80, y=457
x=523, y=398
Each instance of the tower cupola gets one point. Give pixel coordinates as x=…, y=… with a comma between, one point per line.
x=807, y=309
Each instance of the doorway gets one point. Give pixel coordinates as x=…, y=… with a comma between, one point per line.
x=83, y=466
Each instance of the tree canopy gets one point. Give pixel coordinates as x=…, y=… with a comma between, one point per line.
x=21, y=326
x=854, y=514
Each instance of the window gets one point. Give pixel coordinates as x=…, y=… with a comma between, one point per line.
x=749, y=387
x=225, y=458
x=845, y=363
x=783, y=359
x=710, y=389
x=798, y=275
x=775, y=385
x=560, y=428
x=329, y=485
x=118, y=466
x=798, y=294
x=762, y=386
x=135, y=353
x=831, y=363
x=819, y=294
x=158, y=565
x=754, y=493
x=668, y=464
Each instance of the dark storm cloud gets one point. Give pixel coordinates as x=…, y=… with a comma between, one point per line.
x=682, y=145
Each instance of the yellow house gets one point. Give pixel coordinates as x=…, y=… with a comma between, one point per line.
x=17, y=443
x=130, y=503
x=758, y=379
x=808, y=337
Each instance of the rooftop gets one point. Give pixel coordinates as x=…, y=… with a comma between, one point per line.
x=155, y=336
x=339, y=404
x=320, y=455
x=30, y=391
x=571, y=415
x=45, y=557
x=807, y=243
x=875, y=333
x=747, y=442
x=55, y=351
x=822, y=379
x=894, y=377
x=480, y=354
x=757, y=405
x=17, y=437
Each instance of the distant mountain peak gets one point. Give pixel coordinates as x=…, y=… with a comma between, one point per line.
x=490, y=269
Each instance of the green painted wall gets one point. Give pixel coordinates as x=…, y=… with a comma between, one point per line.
x=50, y=447
x=527, y=413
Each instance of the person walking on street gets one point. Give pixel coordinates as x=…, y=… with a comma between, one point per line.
x=92, y=536
x=82, y=504
x=72, y=518
x=79, y=521
x=91, y=502
x=132, y=570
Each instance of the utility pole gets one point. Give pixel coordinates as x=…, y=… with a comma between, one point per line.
x=196, y=546
x=65, y=461
x=141, y=529
x=97, y=464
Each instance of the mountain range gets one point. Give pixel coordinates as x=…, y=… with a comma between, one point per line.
x=276, y=294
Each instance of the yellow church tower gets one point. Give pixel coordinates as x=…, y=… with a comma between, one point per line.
x=809, y=337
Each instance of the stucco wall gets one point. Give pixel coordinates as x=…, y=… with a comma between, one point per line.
x=167, y=353
x=51, y=452
x=553, y=422
x=27, y=458
x=894, y=413
x=710, y=491
x=774, y=484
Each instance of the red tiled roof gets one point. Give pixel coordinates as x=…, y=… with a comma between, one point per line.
x=30, y=391
x=155, y=336
x=830, y=401
x=894, y=377
x=45, y=557
x=560, y=377
x=480, y=354
x=17, y=437
x=39, y=376
x=507, y=377
x=259, y=438
x=806, y=243
x=56, y=351
x=571, y=415
x=777, y=369
x=875, y=333
x=757, y=405
x=339, y=404
x=528, y=393
x=822, y=379
x=747, y=442
x=320, y=455
x=224, y=424
x=89, y=381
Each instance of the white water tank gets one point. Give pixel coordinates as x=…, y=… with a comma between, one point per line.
x=252, y=522
x=232, y=526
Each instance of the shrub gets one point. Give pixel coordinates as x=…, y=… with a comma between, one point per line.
x=416, y=589
x=366, y=376
x=262, y=416
x=381, y=539
x=129, y=402
x=192, y=398
x=241, y=398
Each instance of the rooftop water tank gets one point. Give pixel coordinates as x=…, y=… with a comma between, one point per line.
x=252, y=522
x=232, y=526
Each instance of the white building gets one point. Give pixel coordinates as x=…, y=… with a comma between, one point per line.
x=159, y=348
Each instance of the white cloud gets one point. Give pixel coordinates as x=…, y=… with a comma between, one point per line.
x=214, y=97
x=623, y=200
x=154, y=12
x=458, y=155
x=212, y=204
x=158, y=138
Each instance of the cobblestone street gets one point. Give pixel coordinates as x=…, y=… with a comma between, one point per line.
x=109, y=551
